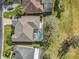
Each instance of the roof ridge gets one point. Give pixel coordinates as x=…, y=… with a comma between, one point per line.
x=37, y=4
x=27, y=30
x=15, y=31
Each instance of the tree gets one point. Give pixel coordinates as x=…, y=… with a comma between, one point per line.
x=58, y=8
x=6, y=53
x=8, y=2
x=66, y=44
x=19, y=10
x=64, y=48
x=75, y=41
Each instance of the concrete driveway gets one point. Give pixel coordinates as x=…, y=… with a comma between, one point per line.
x=7, y=21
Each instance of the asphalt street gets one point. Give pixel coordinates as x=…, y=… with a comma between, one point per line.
x=0, y=27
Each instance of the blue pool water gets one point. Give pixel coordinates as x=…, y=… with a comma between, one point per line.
x=39, y=36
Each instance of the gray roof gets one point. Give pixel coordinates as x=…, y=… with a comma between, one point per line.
x=22, y=52
x=24, y=28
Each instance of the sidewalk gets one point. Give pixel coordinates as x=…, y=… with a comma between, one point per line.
x=7, y=21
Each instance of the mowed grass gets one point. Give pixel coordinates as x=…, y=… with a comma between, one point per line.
x=68, y=26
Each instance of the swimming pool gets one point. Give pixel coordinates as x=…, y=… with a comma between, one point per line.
x=39, y=35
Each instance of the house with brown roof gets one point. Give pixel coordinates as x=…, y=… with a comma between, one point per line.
x=27, y=29
x=37, y=6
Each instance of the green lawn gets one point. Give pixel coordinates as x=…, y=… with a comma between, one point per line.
x=17, y=11
x=7, y=40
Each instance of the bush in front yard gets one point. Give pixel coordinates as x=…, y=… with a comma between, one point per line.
x=7, y=15
x=7, y=40
x=6, y=53
x=8, y=1
x=18, y=11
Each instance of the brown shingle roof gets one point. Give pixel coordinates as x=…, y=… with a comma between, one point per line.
x=32, y=6
x=24, y=28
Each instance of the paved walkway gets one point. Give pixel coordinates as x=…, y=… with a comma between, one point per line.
x=7, y=21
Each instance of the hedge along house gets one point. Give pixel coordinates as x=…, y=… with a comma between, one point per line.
x=27, y=29
x=23, y=52
x=37, y=6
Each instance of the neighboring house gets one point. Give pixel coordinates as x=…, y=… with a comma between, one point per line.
x=27, y=29
x=22, y=52
x=37, y=6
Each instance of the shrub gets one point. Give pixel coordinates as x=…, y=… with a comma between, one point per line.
x=66, y=44
x=75, y=41
x=7, y=15
x=7, y=40
x=18, y=11
x=6, y=53
x=47, y=56
x=8, y=2
x=50, y=25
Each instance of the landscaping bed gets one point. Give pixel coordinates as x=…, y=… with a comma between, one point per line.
x=7, y=40
x=17, y=11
